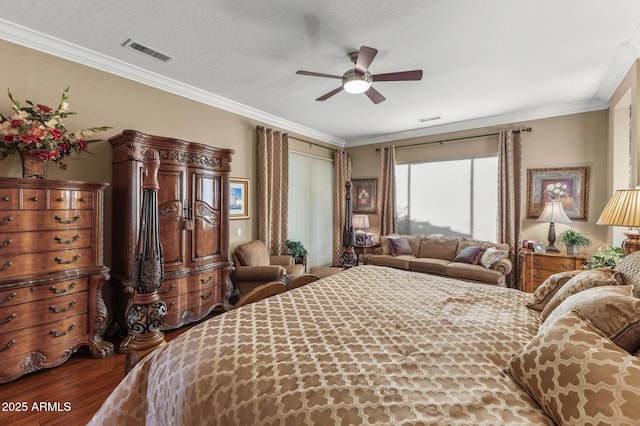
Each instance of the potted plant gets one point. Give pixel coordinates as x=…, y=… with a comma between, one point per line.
x=297, y=250
x=574, y=240
x=607, y=258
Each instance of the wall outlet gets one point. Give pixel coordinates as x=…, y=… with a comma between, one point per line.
x=238, y=232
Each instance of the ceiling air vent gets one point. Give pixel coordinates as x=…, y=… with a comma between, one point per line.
x=147, y=50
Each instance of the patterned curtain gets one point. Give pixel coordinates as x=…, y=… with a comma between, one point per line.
x=387, y=191
x=273, y=189
x=342, y=174
x=509, y=196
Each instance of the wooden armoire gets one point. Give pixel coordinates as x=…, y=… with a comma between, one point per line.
x=193, y=203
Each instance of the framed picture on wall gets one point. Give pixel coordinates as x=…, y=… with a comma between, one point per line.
x=569, y=185
x=364, y=195
x=239, y=198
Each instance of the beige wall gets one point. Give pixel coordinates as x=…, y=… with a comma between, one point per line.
x=566, y=141
x=103, y=99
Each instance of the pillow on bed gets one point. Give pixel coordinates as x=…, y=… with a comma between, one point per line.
x=579, y=376
x=492, y=255
x=586, y=279
x=549, y=288
x=400, y=246
x=611, y=309
x=470, y=254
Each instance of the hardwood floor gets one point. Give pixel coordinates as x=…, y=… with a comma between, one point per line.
x=79, y=386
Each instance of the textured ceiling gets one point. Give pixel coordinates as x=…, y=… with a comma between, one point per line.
x=485, y=63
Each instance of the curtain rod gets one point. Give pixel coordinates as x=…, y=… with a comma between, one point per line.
x=525, y=129
x=313, y=143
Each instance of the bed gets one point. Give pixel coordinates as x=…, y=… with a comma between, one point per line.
x=369, y=345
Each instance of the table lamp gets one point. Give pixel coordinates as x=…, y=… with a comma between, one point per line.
x=553, y=213
x=623, y=209
x=360, y=221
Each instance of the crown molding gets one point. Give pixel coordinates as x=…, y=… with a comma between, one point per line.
x=490, y=121
x=27, y=37
x=623, y=60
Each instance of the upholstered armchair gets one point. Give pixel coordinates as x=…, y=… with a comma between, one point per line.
x=254, y=266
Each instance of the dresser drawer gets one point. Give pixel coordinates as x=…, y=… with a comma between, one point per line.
x=22, y=220
x=172, y=287
x=70, y=199
x=29, y=242
x=15, y=317
x=35, y=338
x=205, y=296
x=34, y=199
x=17, y=265
x=15, y=296
x=554, y=264
x=175, y=310
x=9, y=198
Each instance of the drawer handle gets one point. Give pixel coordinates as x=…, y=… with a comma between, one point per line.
x=8, y=320
x=64, y=333
x=8, y=345
x=72, y=240
x=171, y=305
x=34, y=198
x=538, y=262
x=11, y=296
x=6, y=198
x=64, y=290
x=206, y=280
x=66, y=262
x=58, y=310
x=6, y=243
x=6, y=220
x=205, y=297
x=538, y=275
x=81, y=199
x=567, y=265
x=67, y=221
x=171, y=287
x=6, y=266
x=60, y=199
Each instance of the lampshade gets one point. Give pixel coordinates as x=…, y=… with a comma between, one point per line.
x=356, y=82
x=554, y=213
x=360, y=221
x=623, y=209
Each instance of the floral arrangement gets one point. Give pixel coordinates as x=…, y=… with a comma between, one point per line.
x=39, y=130
x=556, y=190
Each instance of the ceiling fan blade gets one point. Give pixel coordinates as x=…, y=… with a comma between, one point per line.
x=375, y=96
x=399, y=76
x=365, y=57
x=317, y=74
x=330, y=94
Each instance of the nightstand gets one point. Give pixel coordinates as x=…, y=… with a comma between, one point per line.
x=364, y=250
x=536, y=267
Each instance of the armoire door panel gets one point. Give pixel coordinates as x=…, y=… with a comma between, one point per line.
x=171, y=210
x=205, y=238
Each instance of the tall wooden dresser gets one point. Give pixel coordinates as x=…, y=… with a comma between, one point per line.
x=193, y=204
x=51, y=273
x=535, y=267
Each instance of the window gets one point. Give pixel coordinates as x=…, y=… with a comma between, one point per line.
x=455, y=198
x=311, y=206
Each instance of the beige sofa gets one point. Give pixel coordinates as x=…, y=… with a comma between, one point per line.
x=446, y=256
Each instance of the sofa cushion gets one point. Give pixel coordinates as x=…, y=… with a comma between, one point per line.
x=492, y=255
x=466, y=271
x=400, y=262
x=470, y=255
x=578, y=376
x=429, y=265
x=612, y=309
x=582, y=281
x=400, y=246
x=253, y=253
x=549, y=288
x=438, y=248
x=466, y=242
x=414, y=242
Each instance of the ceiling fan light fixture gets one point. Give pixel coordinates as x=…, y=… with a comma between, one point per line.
x=356, y=82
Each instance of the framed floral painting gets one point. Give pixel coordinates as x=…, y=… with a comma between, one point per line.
x=239, y=198
x=364, y=195
x=569, y=185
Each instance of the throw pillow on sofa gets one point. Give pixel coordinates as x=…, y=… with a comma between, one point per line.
x=400, y=246
x=470, y=254
x=492, y=255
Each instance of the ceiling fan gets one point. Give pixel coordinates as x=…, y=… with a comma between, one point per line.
x=359, y=79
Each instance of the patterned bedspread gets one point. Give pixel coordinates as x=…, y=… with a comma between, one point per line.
x=370, y=345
